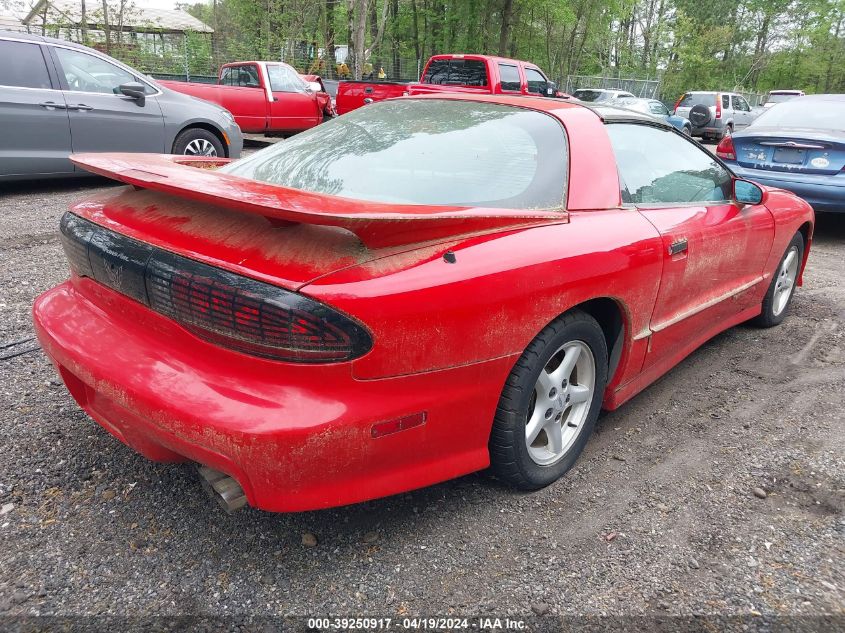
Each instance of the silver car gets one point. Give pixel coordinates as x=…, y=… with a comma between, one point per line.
x=58, y=98
x=715, y=114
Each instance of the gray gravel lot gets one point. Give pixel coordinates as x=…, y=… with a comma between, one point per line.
x=658, y=517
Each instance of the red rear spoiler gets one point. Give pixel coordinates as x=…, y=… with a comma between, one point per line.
x=376, y=224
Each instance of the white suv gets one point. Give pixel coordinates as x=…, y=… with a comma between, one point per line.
x=715, y=114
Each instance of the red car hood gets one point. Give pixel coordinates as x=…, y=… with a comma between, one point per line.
x=285, y=236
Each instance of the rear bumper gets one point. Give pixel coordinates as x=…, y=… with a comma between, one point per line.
x=296, y=437
x=708, y=130
x=824, y=193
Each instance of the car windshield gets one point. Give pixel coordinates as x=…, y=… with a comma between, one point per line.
x=807, y=113
x=428, y=152
x=591, y=95
x=693, y=99
x=780, y=97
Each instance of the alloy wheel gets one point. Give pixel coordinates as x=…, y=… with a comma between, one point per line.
x=787, y=273
x=200, y=147
x=560, y=403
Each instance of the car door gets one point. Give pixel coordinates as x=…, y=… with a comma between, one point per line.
x=245, y=97
x=714, y=249
x=101, y=118
x=293, y=107
x=742, y=112
x=36, y=131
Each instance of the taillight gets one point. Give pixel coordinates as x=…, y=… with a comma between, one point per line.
x=725, y=149
x=224, y=308
x=718, y=106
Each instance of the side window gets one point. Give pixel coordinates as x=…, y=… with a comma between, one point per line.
x=657, y=167
x=248, y=77
x=655, y=107
x=726, y=101
x=284, y=79
x=510, y=77
x=741, y=104
x=229, y=77
x=86, y=73
x=536, y=81
x=24, y=66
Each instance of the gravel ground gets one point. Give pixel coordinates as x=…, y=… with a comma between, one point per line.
x=719, y=490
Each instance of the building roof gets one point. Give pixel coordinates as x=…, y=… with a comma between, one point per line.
x=138, y=19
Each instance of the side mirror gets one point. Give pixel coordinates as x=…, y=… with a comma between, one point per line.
x=746, y=192
x=135, y=90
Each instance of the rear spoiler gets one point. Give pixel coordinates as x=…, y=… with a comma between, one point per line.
x=376, y=224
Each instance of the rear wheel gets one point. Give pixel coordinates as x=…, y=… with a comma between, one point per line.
x=782, y=287
x=550, y=403
x=198, y=142
x=687, y=130
x=729, y=129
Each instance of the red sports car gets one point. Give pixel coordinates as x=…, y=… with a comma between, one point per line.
x=414, y=291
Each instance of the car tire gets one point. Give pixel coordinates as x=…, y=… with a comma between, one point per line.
x=728, y=131
x=782, y=287
x=550, y=403
x=687, y=131
x=198, y=142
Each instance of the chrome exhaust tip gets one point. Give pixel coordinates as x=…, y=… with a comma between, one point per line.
x=224, y=489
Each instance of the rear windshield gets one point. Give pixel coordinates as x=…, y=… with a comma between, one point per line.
x=428, y=152
x=780, y=97
x=806, y=113
x=456, y=72
x=591, y=95
x=689, y=100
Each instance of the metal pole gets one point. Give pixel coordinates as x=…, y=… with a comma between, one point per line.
x=187, y=64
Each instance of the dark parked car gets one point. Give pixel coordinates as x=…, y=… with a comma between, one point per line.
x=798, y=145
x=58, y=98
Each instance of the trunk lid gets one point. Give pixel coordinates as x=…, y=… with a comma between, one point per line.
x=282, y=236
x=795, y=150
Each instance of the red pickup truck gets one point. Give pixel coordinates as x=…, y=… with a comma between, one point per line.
x=264, y=97
x=474, y=74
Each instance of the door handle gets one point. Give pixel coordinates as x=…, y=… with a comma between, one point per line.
x=368, y=90
x=52, y=105
x=79, y=106
x=678, y=246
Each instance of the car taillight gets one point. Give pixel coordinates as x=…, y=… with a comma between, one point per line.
x=725, y=149
x=224, y=308
x=718, y=106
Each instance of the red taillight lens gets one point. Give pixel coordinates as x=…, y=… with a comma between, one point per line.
x=725, y=149
x=718, y=106
x=227, y=309
x=250, y=316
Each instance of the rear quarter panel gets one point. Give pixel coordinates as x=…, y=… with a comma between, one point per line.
x=498, y=295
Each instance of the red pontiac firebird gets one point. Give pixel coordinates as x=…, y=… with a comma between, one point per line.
x=414, y=291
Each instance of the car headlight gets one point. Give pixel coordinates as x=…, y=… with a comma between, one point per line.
x=228, y=116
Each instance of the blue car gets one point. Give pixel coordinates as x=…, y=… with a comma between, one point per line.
x=798, y=145
x=656, y=109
